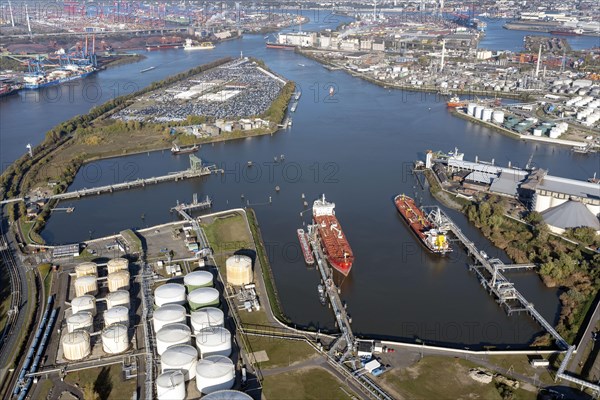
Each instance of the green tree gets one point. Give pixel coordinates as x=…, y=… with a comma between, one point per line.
x=89, y=393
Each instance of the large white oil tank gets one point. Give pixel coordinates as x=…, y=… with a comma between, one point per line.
x=115, y=315
x=168, y=314
x=239, y=270
x=117, y=298
x=203, y=297
x=81, y=320
x=498, y=117
x=86, y=302
x=86, y=268
x=198, y=279
x=86, y=285
x=171, y=335
x=227, y=395
x=76, y=345
x=117, y=264
x=169, y=293
x=207, y=317
x=537, y=132
x=118, y=281
x=214, y=341
x=471, y=108
x=115, y=339
x=170, y=386
x=478, y=112
x=486, y=114
x=180, y=357
x=214, y=373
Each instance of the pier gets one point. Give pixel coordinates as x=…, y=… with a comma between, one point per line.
x=195, y=205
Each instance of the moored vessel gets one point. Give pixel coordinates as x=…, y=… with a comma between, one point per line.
x=455, y=102
x=175, y=149
x=306, y=252
x=333, y=241
x=434, y=238
x=189, y=45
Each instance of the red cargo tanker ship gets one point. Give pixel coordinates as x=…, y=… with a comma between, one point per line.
x=333, y=241
x=434, y=239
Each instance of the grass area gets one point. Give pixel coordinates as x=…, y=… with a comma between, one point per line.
x=46, y=276
x=106, y=381
x=228, y=234
x=306, y=384
x=520, y=365
x=29, y=233
x=5, y=295
x=133, y=240
x=281, y=352
x=44, y=388
x=443, y=378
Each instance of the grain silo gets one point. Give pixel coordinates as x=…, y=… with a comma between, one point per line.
x=197, y=279
x=203, y=297
x=115, y=315
x=239, y=270
x=214, y=373
x=168, y=314
x=117, y=264
x=171, y=335
x=86, y=285
x=169, y=293
x=86, y=302
x=170, y=386
x=181, y=357
x=207, y=317
x=117, y=298
x=85, y=269
x=118, y=281
x=214, y=341
x=115, y=339
x=227, y=395
x=81, y=320
x=76, y=345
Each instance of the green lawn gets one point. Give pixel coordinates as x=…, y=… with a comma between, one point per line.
x=281, y=352
x=520, y=365
x=228, y=234
x=305, y=384
x=106, y=381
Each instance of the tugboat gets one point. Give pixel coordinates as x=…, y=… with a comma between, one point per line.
x=175, y=149
x=322, y=295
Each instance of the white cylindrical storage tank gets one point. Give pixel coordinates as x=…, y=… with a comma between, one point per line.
x=118, y=281
x=85, y=269
x=117, y=264
x=76, y=345
x=180, y=357
x=118, y=298
x=86, y=302
x=214, y=373
x=478, y=112
x=486, y=114
x=239, y=270
x=81, y=320
x=214, y=341
x=498, y=117
x=170, y=293
x=537, y=132
x=171, y=335
x=227, y=395
x=115, y=315
x=203, y=297
x=86, y=285
x=471, y=108
x=168, y=314
x=207, y=317
x=170, y=386
x=115, y=339
x=198, y=279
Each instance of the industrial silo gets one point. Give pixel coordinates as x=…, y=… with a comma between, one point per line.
x=170, y=293
x=117, y=298
x=486, y=114
x=118, y=281
x=471, y=108
x=81, y=320
x=203, y=297
x=227, y=395
x=207, y=317
x=168, y=314
x=214, y=341
x=115, y=339
x=170, y=386
x=498, y=117
x=478, y=112
x=76, y=345
x=86, y=302
x=239, y=270
x=181, y=357
x=214, y=373
x=117, y=264
x=115, y=315
x=86, y=285
x=198, y=279
x=85, y=269
x=171, y=335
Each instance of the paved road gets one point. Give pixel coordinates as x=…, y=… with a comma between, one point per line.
x=586, y=339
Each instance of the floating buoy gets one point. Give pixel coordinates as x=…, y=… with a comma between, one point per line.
x=277, y=188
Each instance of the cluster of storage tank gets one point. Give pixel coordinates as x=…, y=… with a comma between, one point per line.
x=558, y=130
x=581, y=86
x=208, y=361
x=485, y=114
x=80, y=317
